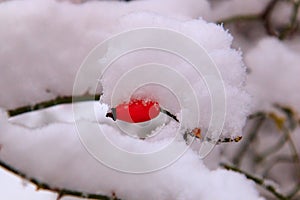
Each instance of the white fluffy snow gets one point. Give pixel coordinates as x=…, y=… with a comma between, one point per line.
x=15, y=188
x=216, y=41
x=54, y=154
x=50, y=40
x=274, y=76
x=51, y=47
x=42, y=49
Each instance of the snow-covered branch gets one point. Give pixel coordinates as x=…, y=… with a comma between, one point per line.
x=61, y=192
x=53, y=102
x=48, y=62
x=261, y=182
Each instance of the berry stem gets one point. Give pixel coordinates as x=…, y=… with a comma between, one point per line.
x=169, y=114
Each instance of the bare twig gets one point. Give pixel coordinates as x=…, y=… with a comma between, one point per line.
x=285, y=125
x=294, y=191
x=60, y=191
x=250, y=138
x=266, y=18
x=271, y=150
x=238, y=18
x=278, y=159
x=293, y=21
x=293, y=149
x=285, y=138
x=291, y=115
x=258, y=181
x=53, y=102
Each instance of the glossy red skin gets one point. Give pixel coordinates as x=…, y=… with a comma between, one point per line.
x=137, y=111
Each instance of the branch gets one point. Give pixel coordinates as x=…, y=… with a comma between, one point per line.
x=294, y=191
x=266, y=18
x=261, y=117
x=273, y=149
x=285, y=125
x=293, y=21
x=293, y=149
x=58, y=100
x=60, y=191
x=285, y=138
x=237, y=18
x=257, y=180
x=274, y=161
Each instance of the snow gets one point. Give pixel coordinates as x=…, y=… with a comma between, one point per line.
x=40, y=155
x=274, y=67
x=12, y=187
x=63, y=46
x=50, y=39
x=217, y=43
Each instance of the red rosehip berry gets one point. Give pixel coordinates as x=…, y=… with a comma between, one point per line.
x=135, y=111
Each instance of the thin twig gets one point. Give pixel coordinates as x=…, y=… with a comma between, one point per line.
x=286, y=128
x=60, y=191
x=294, y=191
x=289, y=123
x=270, y=164
x=293, y=149
x=258, y=181
x=250, y=138
x=271, y=150
x=291, y=115
x=293, y=21
x=238, y=18
x=275, y=148
x=53, y=102
x=266, y=18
